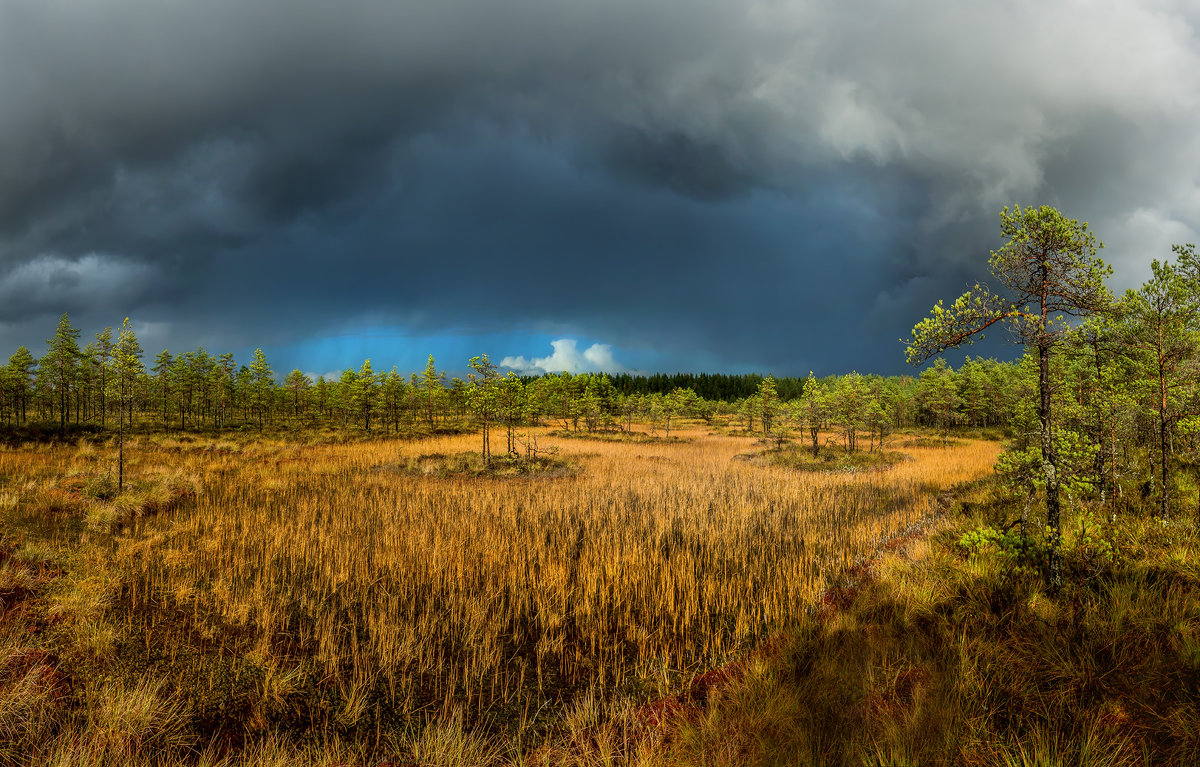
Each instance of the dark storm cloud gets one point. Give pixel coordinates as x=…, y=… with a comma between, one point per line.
x=677, y=162
x=785, y=184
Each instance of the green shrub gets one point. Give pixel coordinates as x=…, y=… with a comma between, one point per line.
x=1087, y=548
x=1018, y=550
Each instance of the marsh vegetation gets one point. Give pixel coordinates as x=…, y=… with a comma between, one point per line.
x=251, y=589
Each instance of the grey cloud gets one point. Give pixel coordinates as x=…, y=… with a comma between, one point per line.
x=43, y=284
x=638, y=172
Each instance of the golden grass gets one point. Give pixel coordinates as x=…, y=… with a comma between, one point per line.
x=943, y=656
x=493, y=599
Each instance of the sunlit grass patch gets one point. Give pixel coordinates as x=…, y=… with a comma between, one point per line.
x=281, y=584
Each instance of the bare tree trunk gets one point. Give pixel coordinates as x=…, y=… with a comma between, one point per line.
x=1164, y=508
x=121, y=443
x=1115, y=488
x=1101, y=458
x=1050, y=472
x=487, y=455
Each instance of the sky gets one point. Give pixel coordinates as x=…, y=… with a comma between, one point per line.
x=771, y=186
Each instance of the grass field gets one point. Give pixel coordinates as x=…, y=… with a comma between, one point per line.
x=947, y=652
x=259, y=591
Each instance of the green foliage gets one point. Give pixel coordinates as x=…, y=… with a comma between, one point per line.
x=1049, y=266
x=678, y=403
x=363, y=393
x=768, y=403
x=433, y=385
x=708, y=386
x=969, y=315
x=1019, y=552
x=481, y=395
x=1163, y=321
x=1088, y=546
x=59, y=365
x=937, y=392
x=1021, y=468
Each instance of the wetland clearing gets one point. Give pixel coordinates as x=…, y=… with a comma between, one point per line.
x=261, y=586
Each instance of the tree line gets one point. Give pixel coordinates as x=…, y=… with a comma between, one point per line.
x=710, y=386
x=107, y=385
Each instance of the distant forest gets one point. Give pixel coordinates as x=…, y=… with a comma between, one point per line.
x=106, y=384
x=710, y=386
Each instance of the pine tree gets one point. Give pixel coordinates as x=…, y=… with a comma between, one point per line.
x=202, y=380
x=365, y=385
x=1049, y=267
x=815, y=405
x=343, y=394
x=163, y=384
x=1104, y=372
x=511, y=408
x=225, y=384
x=678, y=403
x=262, y=385
x=20, y=370
x=321, y=397
x=482, y=396
x=937, y=391
x=127, y=364
x=392, y=390
x=104, y=351
x=768, y=404
x=61, y=362
x=847, y=405
x=433, y=386
x=1166, y=317
x=297, y=385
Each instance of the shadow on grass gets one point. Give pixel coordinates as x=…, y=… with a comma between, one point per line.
x=961, y=658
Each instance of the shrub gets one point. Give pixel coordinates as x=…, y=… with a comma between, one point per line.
x=1019, y=551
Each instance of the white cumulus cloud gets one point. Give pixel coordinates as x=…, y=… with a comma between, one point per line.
x=597, y=358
